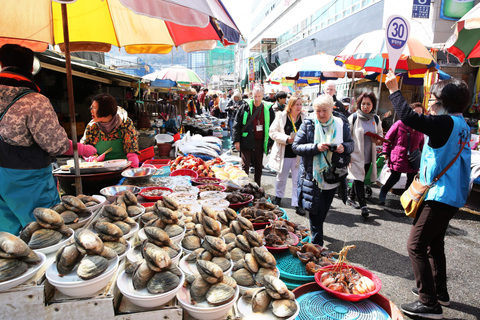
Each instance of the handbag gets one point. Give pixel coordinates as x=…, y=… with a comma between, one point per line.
x=413, y=197
x=414, y=157
x=333, y=174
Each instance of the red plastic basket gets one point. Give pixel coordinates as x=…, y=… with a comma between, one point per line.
x=154, y=198
x=158, y=163
x=146, y=154
x=346, y=296
x=293, y=242
x=147, y=204
x=184, y=172
x=236, y=206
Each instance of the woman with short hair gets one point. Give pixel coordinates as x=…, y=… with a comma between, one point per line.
x=319, y=137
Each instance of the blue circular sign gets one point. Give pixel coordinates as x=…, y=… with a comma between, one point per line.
x=397, y=33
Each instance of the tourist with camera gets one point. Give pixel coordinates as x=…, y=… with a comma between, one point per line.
x=324, y=143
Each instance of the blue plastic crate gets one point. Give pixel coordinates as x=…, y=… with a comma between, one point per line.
x=292, y=268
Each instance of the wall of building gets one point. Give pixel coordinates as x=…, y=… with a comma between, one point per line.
x=334, y=38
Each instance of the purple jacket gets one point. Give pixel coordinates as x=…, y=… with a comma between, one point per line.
x=397, y=149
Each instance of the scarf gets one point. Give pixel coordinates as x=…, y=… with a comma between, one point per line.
x=108, y=127
x=365, y=116
x=319, y=163
x=17, y=77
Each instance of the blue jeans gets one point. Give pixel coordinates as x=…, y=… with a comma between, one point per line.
x=230, y=125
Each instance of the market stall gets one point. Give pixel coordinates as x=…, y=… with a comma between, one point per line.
x=188, y=239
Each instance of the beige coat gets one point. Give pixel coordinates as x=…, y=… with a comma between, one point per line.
x=277, y=134
x=356, y=170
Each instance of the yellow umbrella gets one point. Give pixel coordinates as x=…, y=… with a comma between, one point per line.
x=96, y=25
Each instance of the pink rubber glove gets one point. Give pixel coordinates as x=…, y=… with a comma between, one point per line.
x=84, y=150
x=133, y=157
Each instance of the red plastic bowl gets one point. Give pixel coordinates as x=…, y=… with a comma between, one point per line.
x=223, y=188
x=236, y=206
x=347, y=296
x=147, y=204
x=294, y=241
x=154, y=198
x=199, y=181
x=184, y=172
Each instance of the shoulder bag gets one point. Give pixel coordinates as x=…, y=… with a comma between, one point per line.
x=414, y=157
x=413, y=197
x=333, y=174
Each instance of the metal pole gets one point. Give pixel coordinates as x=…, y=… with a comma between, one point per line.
x=380, y=86
x=71, y=106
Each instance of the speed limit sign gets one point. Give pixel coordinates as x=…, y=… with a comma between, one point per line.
x=396, y=36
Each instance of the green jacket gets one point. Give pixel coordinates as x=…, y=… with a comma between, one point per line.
x=268, y=120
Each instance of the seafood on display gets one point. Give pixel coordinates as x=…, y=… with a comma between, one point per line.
x=275, y=295
x=15, y=256
x=344, y=278
x=313, y=256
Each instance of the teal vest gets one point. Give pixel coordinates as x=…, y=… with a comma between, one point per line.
x=266, y=114
x=452, y=188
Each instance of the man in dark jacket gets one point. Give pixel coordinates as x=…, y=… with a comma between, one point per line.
x=281, y=101
x=331, y=90
x=250, y=135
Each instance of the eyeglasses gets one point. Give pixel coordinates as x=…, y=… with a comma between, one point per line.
x=432, y=100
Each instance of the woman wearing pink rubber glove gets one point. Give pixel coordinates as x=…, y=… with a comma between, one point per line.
x=111, y=128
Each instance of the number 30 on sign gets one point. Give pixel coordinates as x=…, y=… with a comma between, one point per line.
x=396, y=37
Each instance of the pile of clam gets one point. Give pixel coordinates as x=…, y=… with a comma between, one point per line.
x=314, y=256
x=48, y=230
x=114, y=224
x=88, y=252
x=277, y=233
x=275, y=295
x=128, y=201
x=256, y=215
x=72, y=208
x=164, y=215
x=208, y=222
x=252, y=269
x=210, y=285
x=263, y=204
x=15, y=256
x=214, y=251
x=155, y=272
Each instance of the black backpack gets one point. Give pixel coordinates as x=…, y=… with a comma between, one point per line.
x=377, y=120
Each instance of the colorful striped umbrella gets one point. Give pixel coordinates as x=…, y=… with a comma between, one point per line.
x=181, y=75
x=307, y=71
x=368, y=52
x=96, y=25
x=464, y=43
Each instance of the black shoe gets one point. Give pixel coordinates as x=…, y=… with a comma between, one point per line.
x=419, y=309
x=443, y=299
x=252, y=170
x=352, y=203
x=365, y=212
x=277, y=201
x=300, y=211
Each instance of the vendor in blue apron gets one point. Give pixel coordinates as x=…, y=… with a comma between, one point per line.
x=29, y=134
x=111, y=128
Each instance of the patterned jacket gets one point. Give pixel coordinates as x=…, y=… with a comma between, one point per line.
x=30, y=119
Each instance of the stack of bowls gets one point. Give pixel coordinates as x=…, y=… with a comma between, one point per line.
x=143, y=298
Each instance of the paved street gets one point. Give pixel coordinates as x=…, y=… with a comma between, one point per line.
x=380, y=242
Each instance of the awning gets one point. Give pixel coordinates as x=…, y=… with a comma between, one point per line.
x=87, y=69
